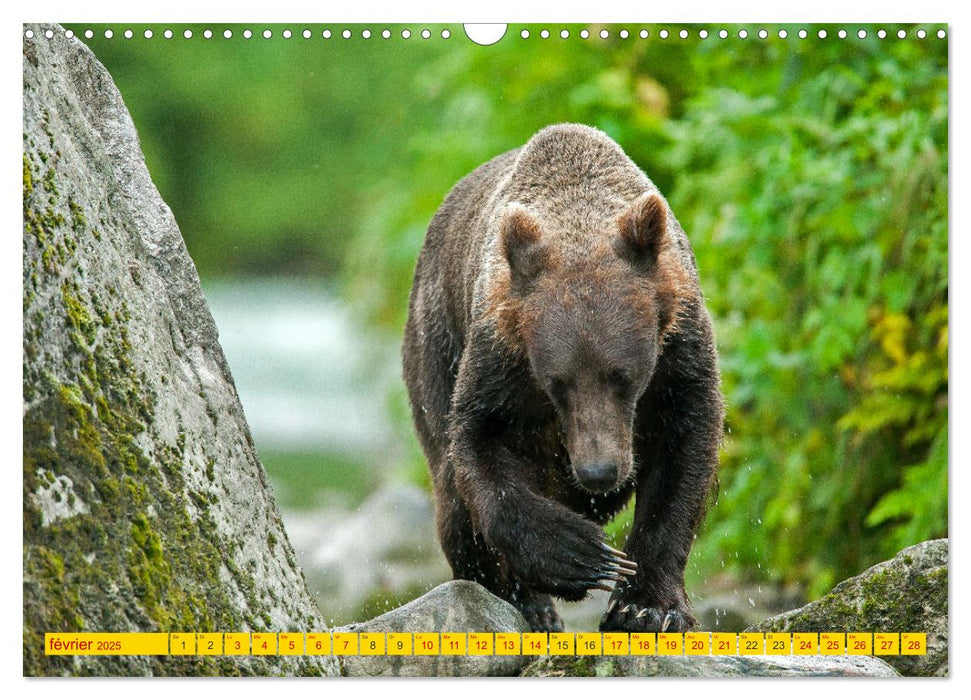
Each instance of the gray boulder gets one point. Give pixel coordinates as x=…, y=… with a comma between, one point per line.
x=709, y=666
x=456, y=606
x=145, y=506
x=908, y=593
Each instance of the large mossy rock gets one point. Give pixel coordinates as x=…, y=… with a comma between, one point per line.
x=145, y=507
x=908, y=593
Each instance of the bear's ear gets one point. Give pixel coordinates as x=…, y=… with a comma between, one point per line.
x=642, y=231
x=523, y=248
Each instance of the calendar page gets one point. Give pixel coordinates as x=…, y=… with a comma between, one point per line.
x=538, y=349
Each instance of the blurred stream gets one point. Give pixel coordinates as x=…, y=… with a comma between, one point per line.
x=309, y=378
x=318, y=389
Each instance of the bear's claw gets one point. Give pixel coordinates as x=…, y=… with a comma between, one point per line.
x=635, y=618
x=616, y=567
x=617, y=563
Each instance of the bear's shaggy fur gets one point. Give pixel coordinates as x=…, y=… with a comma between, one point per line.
x=559, y=359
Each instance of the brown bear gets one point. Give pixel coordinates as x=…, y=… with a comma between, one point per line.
x=559, y=359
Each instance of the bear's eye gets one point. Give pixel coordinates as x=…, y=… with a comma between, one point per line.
x=618, y=380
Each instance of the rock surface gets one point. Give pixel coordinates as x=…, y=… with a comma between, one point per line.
x=372, y=559
x=908, y=593
x=709, y=666
x=145, y=505
x=456, y=606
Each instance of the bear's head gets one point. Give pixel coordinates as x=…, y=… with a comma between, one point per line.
x=592, y=328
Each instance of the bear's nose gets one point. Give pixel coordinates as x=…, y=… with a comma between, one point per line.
x=600, y=477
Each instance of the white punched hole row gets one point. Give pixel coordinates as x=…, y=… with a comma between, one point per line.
x=493, y=36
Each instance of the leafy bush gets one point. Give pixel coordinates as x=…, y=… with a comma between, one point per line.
x=824, y=260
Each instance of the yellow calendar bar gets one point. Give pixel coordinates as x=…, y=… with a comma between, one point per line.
x=484, y=643
x=859, y=643
x=832, y=644
x=426, y=643
x=643, y=643
x=264, y=644
x=182, y=644
x=805, y=643
x=236, y=644
x=208, y=643
x=318, y=643
x=589, y=644
x=344, y=643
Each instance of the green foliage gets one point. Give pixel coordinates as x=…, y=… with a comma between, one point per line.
x=824, y=263
x=810, y=175
x=299, y=478
x=267, y=150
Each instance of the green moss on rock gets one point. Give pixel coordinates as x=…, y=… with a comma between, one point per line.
x=563, y=666
x=87, y=430
x=78, y=221
x=906, y=594
x=28, y=178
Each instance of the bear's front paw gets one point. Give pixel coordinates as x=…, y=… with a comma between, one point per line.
x=562, y=554
x=571, y=569
x=540, y=612
x=625, y=614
